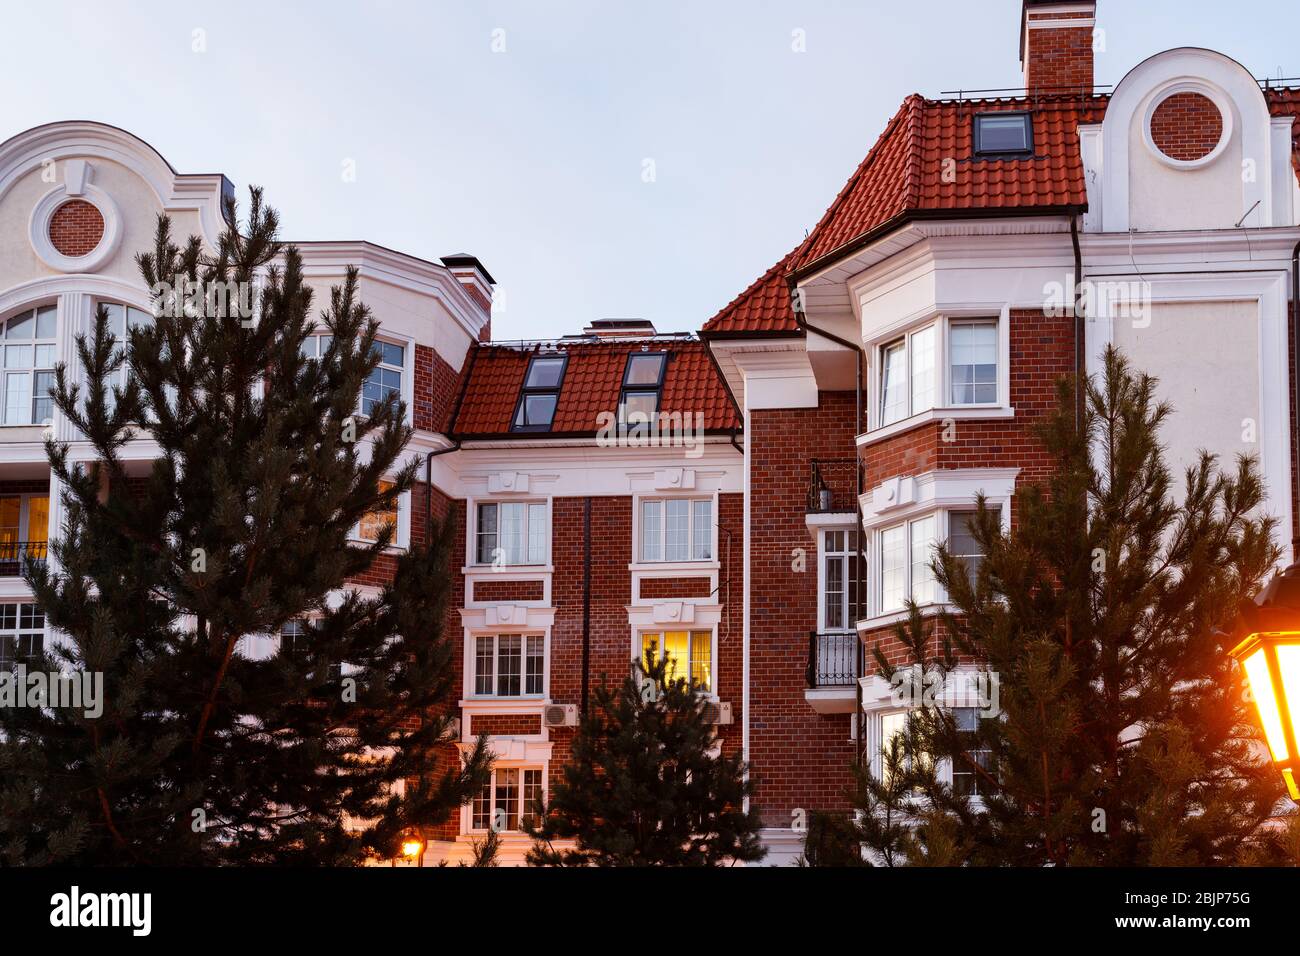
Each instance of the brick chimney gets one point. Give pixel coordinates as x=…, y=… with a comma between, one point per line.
x=1056, y=46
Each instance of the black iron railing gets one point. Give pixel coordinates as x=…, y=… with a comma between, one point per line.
x=12, y=554
x=834, y=660
x=832, y=485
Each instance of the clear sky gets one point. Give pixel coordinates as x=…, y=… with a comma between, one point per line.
x=603, y=159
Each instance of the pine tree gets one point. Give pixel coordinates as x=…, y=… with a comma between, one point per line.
x=1124, y=733
x=645, y=786
x=205, y=753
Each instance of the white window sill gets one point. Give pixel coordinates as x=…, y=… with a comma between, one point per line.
x=671, y=567
x=514, y=569
x=958, y=413
x=893, y=617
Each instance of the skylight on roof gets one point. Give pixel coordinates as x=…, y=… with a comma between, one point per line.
x=1003, y=133
x=540, y=393
x=643, y=380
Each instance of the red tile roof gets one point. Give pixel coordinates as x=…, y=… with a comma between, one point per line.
x=924, y=163
x=763, y=308
x=592, y=383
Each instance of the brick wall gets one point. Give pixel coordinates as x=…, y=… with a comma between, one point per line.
x=1057, y=58
x=653, y=589
x=76, y=228
x=1186, y=126
x=800, y=759
x=508, y=592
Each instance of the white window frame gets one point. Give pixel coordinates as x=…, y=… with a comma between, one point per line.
x=640, y=633
x=638, y=558
x=823, y=556
x=31, y=369
x=471, y=664
x=407, y=391
x=940, y=404
x=469, y=826
x=472, y=530
x=942, y=523
x=18, y=631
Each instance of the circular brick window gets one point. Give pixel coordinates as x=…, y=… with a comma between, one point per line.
x=1187, y=127
x=76, y=228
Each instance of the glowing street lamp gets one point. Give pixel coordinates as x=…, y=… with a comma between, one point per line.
x=1269, y=651
x=413, y=849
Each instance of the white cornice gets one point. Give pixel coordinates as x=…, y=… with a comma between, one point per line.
x=330, y=258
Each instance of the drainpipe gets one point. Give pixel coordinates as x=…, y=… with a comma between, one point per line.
x=428, y=490
x=586, y=601
x=1295, y=439
x=1080, y=349
x=857, y=499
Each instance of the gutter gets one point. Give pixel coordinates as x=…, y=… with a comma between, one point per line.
x=454, y=446
x=1080, y=348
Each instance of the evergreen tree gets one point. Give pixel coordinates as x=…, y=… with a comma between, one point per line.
x=204, y=754
x=644, y=786
x=1124, y=734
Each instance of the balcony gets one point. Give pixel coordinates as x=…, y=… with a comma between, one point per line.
x=832, y=486
x=13, y=553
x=834, y=663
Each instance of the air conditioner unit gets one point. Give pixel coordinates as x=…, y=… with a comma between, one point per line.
x=718, y=713
x=560, y=715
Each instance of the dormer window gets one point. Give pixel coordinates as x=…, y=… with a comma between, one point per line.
x=643, y=381
x=540, y=394
x=1004, y=134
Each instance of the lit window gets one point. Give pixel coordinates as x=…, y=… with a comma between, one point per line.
x=511, y=532
x=386, y=379
x=373, y=522
x=22, y=634
x=893, y=726
x=24, y=531
x=643, y=380
x=677, y=529
x=905, y=553
x=540, y=393
x=509, y=665
x=839, y=572
x=974, y=364
x=908, y=369
x=689, y=654
x=508, y=799
x=29, y=358
x=1000, y=134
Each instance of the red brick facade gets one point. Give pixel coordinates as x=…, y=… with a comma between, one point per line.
x=1058, y=60
x=76, y=228
x=1186, y=126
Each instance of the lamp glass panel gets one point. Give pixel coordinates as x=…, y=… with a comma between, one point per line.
x=1261, y=687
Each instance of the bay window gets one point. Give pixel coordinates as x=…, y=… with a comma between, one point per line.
x=973, y=368
x=950, y=363
x=689, y=655
x=509, y=665
x=507, y=800
x=905, y=552
x=30, y=342
x=676, y=529
x=511, y=533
